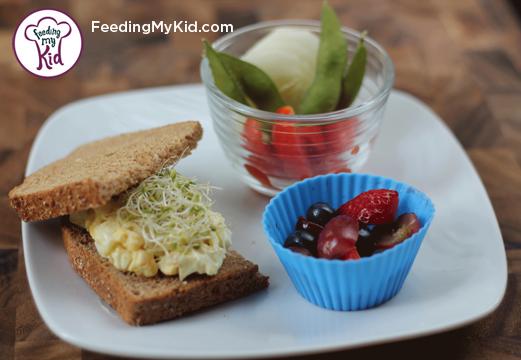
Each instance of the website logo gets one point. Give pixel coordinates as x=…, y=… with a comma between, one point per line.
x=47, y=43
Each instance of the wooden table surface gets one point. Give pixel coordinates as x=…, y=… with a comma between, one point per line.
x=463, y=58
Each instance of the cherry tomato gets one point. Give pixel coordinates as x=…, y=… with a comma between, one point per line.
x=340, y=135
x=286, y=110
x=259, y=163
x=257, y=173
x=290, y=150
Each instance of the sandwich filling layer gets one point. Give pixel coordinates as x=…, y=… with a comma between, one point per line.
x=165, y=225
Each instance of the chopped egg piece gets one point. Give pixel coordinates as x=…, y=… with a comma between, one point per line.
x=165, y=224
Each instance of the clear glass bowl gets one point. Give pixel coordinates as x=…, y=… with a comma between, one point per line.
x=271, y=151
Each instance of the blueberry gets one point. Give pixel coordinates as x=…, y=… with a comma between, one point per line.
x=364, y=230
x=320, y=213
x=300, y=250
x=301, y=238
x=309, y=226
x=366, y=242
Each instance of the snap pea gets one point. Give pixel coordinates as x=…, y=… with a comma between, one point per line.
x=354, y=77
x=257, y=85
x=223, y=78
x=324, y=92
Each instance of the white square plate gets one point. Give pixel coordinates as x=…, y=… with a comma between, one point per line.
x=459, y=275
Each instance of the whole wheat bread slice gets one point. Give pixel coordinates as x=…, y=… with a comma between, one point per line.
x=140, y=300
x=93, y=173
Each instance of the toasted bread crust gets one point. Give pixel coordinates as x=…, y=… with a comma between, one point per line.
x=95, y=172
x=140, y=300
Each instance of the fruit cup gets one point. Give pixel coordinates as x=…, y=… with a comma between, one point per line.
x=273, y=150
x=345, y=284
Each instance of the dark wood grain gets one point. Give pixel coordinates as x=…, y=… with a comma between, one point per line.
x=463, y=58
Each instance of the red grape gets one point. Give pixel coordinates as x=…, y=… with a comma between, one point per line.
x=338, y=239
x=410, y=221
x=404, y=227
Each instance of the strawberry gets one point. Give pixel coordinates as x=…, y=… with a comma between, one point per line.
x=372, y=207
x=341, y=170
x=352, y=255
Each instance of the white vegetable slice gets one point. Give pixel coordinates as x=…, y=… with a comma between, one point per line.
x=288, y=55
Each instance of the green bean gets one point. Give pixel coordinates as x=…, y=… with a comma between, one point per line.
x=324, y=92
x=354, y=77
x=257, y=85
x=223, y=78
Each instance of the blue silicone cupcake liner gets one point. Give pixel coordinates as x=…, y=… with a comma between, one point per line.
x=338, y=284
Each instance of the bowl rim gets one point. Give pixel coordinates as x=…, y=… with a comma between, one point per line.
x=352, y=262
x=341, y=114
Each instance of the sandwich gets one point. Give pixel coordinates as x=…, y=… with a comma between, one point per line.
x=144, y=236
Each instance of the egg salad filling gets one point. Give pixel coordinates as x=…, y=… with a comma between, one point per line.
x=165, y=224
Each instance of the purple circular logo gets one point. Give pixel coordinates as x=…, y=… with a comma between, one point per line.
x=47, y=43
